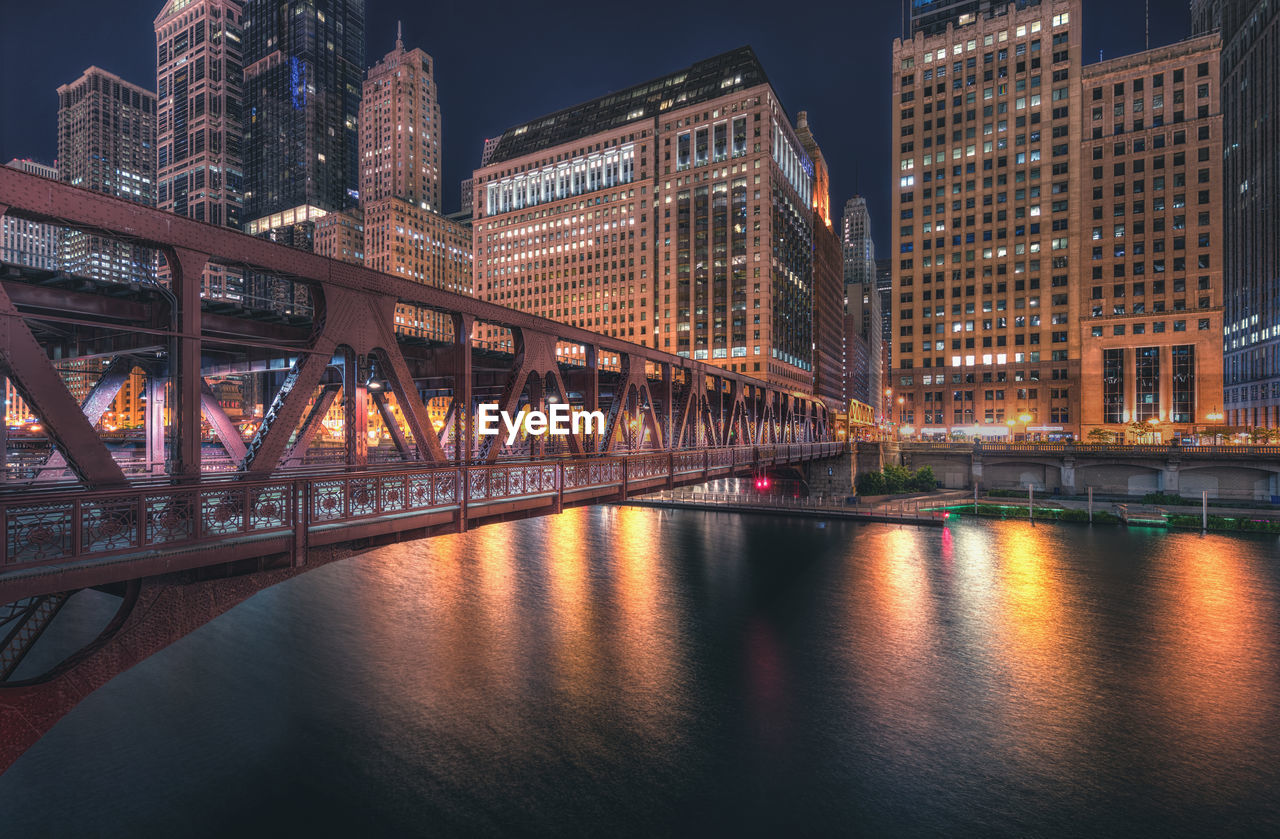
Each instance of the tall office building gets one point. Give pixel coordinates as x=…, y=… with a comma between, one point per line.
x=884, y=286
x=405, y=233
x=400, y=130
x=863, y=302
x=675, y=214
x=199, y=139
x=28, y=242
x=854, y=350
x=1250, y=31
x=304, y=65
x=828, y=278
x=1150, y=262
x=107, y=143
x=986, y=121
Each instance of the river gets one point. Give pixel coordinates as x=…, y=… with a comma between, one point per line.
x=626, y=671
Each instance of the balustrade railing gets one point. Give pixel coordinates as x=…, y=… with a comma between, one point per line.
x=62, y=524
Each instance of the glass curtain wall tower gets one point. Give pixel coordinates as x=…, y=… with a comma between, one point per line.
x=304, y=67
x=200, y=138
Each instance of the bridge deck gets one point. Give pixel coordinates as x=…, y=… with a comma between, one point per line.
x=61, y=541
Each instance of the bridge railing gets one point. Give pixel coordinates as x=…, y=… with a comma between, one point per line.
x=1160, y=450
x=89, y=524
x=45, y=528
x=935, y=447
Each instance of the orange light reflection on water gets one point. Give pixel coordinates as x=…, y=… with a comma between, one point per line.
x=1218, y=670
x=575, y=655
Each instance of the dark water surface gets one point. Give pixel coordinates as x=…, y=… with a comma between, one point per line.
x=623, y=671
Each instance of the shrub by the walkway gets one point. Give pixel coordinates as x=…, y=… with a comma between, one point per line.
x=896, y=480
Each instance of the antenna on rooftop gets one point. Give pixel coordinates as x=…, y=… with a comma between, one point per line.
x=1148, y=13
x=399, y=39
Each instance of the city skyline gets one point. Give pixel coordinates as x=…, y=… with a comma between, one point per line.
x=484, y=93
x=872, y=428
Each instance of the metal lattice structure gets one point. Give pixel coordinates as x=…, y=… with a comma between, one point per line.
x=322, y=338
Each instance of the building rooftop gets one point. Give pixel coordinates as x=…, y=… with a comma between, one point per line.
x=1179, y=49
x=94, y=70
x=931, y=17
x=737, y=69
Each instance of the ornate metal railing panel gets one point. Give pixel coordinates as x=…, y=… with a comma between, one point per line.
x=61, y=528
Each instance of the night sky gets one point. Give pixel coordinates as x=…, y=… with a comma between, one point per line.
x=500, y=63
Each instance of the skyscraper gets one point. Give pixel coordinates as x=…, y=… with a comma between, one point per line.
x=863, y=302
x=987, y=126
x=304, y=66
x=200, y=137
x=400, y=190
x=29, y=242
x=1250, y=31
x=884, y=285
x=674, y=213
x=107, y=143
x=400, y=130
x=828, y=277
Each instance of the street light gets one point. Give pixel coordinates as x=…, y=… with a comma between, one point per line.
x=1011, y=422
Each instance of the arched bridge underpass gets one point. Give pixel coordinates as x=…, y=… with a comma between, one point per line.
x=362, y=389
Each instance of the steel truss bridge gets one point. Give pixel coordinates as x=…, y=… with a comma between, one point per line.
x=320, y=336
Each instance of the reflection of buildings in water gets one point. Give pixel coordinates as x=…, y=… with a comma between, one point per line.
x=653, y=662
x=892, y=602
x=575, y=650
x=1042, y=648
x=970, y=612
x=1216, y=660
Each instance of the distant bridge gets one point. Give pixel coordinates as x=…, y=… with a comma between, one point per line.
x=1248, y=473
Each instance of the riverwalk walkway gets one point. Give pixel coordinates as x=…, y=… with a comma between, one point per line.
x=928, y=509
x=914, y=509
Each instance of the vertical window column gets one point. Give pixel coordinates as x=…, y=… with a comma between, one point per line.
x=1147, y=382
x=1184, y=384
x=1113, y=386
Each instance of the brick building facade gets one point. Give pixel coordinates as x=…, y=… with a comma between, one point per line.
x=1150, y=257
x=986, y=123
